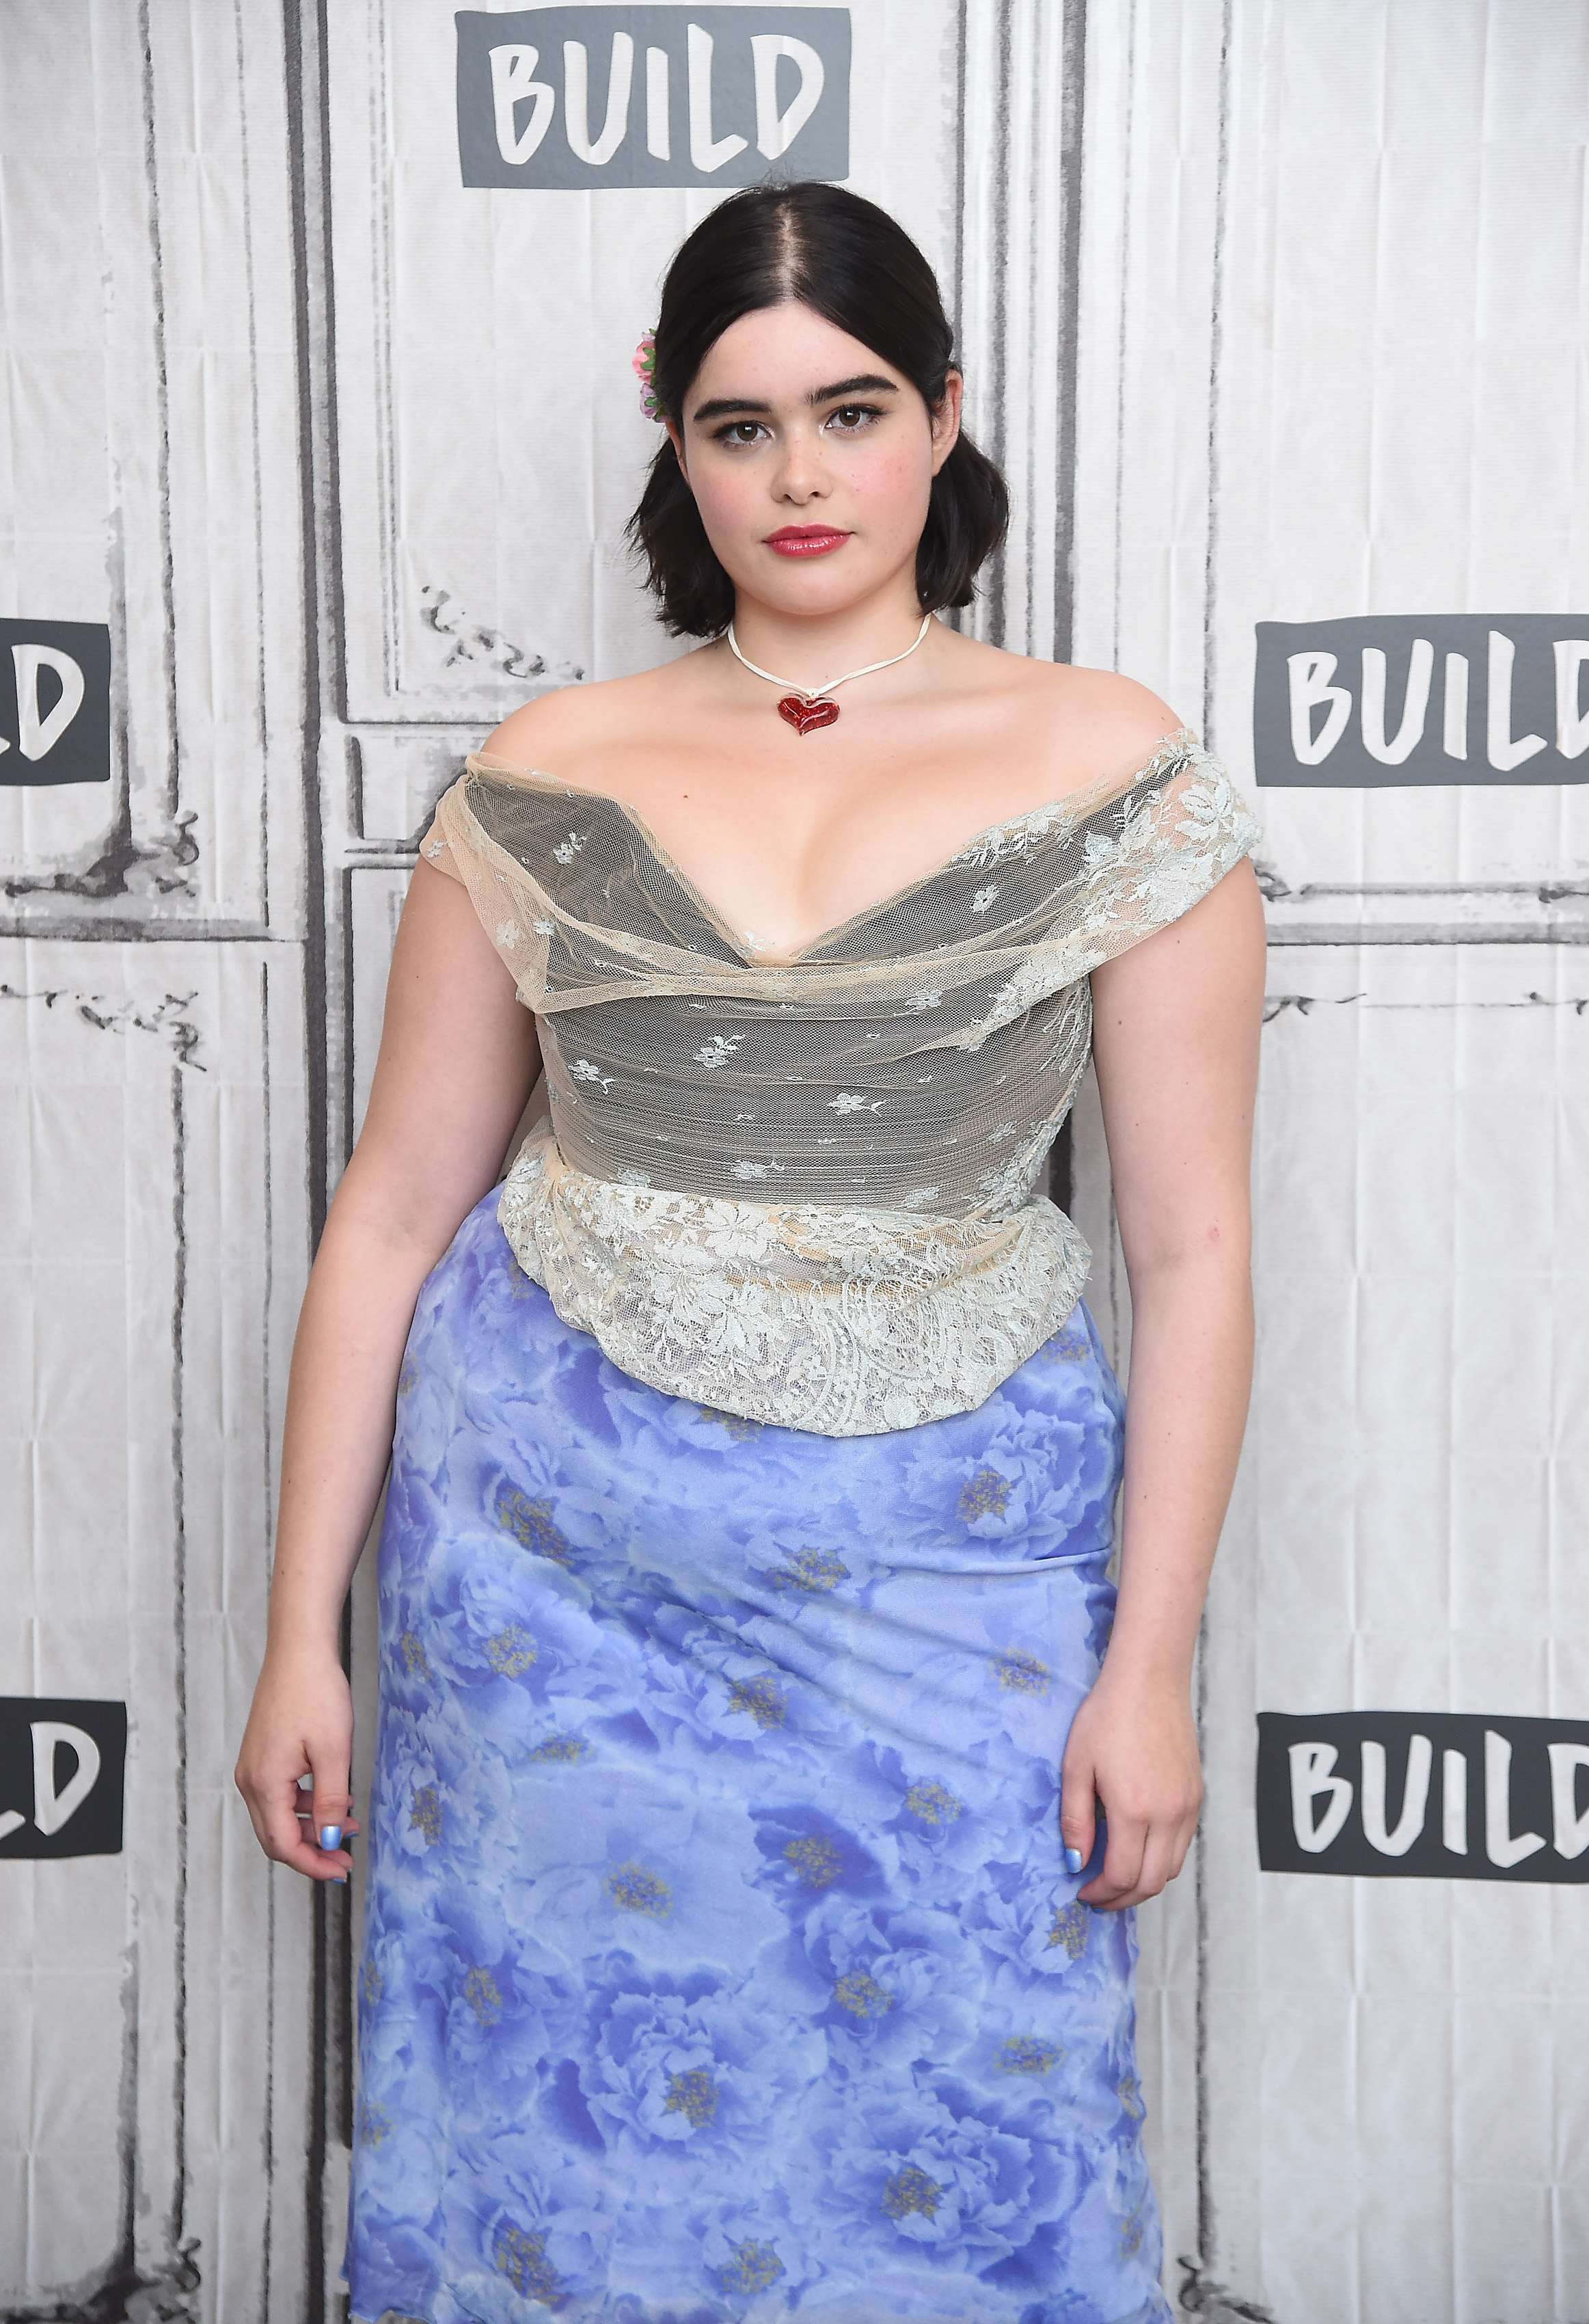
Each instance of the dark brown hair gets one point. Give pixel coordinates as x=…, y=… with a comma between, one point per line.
x=848, y=261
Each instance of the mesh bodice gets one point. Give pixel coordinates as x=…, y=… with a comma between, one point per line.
x=791, y=1185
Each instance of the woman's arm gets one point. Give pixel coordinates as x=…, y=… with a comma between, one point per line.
x=458, y=1059
x=1176, y=1043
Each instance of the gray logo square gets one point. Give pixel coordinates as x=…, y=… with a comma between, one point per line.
x=1380, y=699
x=54, y=702
x=653, y=96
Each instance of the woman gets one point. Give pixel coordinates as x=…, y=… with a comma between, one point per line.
x=735, y=1944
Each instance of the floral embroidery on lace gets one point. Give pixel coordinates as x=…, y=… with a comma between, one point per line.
x=845, y=1321
x=877, y=1273
x=1161, y=862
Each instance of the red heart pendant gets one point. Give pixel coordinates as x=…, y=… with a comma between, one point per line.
x=807, y=716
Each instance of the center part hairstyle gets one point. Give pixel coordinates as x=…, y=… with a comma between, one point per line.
x=818, y=246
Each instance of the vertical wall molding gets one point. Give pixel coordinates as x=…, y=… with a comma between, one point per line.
x=328, y=997
x=1020, y=115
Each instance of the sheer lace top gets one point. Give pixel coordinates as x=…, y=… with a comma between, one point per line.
x=787, y=1186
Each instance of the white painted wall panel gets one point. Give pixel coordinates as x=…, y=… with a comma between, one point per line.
x=151, y=1271
x=1330, y=361
x=148, y=425
x=1398, y=1546
x=1399, y=397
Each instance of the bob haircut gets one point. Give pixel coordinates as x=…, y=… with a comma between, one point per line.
x=817, y=246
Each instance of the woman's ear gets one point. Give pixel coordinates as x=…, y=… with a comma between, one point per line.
x=946, y=420
x=677, y=441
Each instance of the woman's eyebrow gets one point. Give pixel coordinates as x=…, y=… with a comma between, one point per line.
x=865, y=382
x=721, y=403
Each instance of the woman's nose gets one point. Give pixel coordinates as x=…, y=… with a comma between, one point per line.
x=800, y=476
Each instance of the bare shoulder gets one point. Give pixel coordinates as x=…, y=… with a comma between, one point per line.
x=1080, y=723
x=557, y=728
x=1109, y=721
x=539, y=732
x=1116, y=709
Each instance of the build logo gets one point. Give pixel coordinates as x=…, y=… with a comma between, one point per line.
x=653, y=97
x=1493, y=698
x=1422, y=1795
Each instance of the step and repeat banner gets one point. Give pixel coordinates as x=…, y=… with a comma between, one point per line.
x=320, y=435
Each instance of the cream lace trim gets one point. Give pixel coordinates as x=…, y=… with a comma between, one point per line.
x=847, y=1323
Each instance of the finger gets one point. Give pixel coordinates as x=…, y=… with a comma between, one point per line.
x=349, y=1828
x=255, y=1813
x=274, y=1810
x=331, y=1813
x=292, y=1837
x=1122, y=1867
x=1157, y=1871
x=1182, y=1839
x=1163, y=1855
x=1160, y=1862
x=270, y=1796
x=277, y=1808
x=311, y=1811
x=1078, y=1813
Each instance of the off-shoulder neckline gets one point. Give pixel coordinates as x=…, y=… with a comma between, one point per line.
x=1072, y=806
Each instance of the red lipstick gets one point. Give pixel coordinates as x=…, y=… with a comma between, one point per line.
x=805, y=539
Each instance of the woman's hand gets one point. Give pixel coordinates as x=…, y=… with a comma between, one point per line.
x=301, y=1724
x=1134, y=1746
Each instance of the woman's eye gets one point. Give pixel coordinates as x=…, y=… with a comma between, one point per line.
x=740, y=431
x=851, y=416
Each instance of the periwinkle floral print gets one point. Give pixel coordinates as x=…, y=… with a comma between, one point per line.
x=721, y=1961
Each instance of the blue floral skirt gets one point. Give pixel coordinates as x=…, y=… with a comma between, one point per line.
x=721, y=1962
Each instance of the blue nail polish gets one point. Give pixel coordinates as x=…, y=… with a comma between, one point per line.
x=1073, y=1861
x=330, y=1836
x=340, y=1881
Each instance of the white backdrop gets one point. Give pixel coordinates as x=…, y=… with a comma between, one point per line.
x=1273, y=309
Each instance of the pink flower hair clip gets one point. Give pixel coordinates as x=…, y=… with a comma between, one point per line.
x=645, y=369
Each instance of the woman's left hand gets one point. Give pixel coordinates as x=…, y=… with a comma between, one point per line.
x=1133, y=1746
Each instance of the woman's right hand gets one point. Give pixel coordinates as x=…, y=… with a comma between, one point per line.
x=301, y=1724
